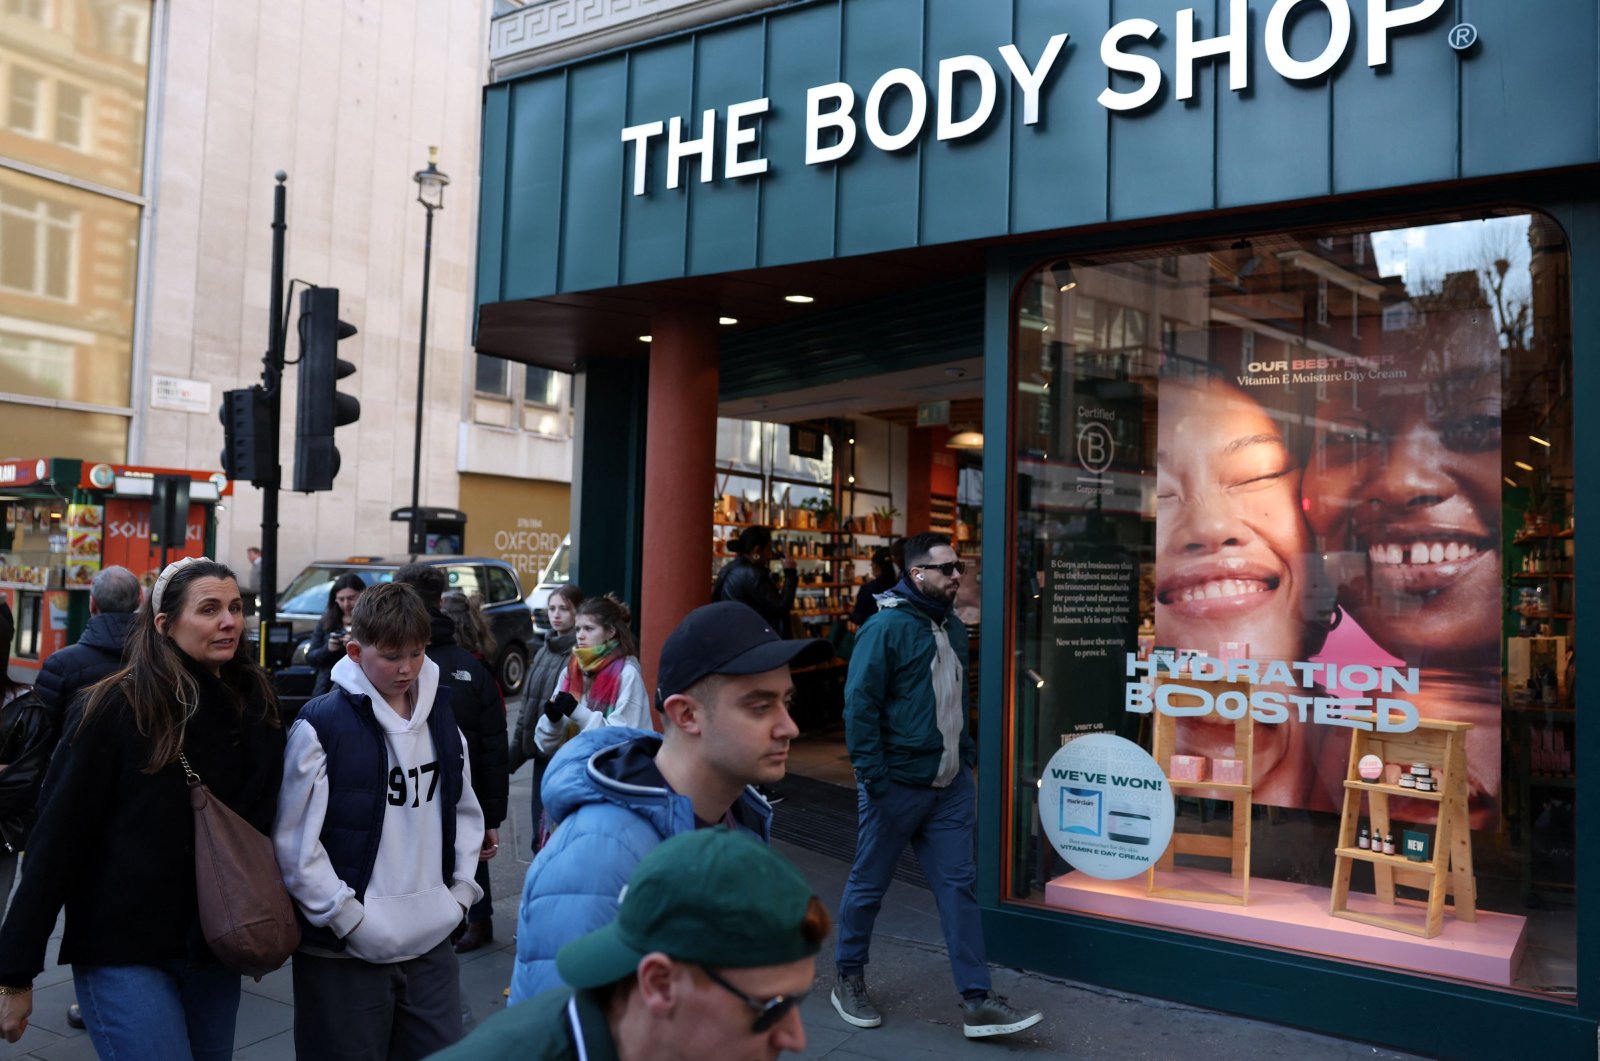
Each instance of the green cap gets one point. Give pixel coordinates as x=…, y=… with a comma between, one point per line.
x=709, y=897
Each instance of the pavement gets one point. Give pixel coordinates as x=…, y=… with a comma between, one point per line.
x=908, y=977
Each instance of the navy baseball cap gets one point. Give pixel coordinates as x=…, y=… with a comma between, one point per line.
x=728, y=638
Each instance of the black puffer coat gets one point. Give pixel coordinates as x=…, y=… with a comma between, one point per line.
x=749, y=584
x=481, y=714
x=73, y=669
x=548, y=665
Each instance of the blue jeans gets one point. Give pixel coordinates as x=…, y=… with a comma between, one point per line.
x=170, y=1011
x=938, y=823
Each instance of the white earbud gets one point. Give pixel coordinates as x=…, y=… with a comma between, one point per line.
x=919, y=578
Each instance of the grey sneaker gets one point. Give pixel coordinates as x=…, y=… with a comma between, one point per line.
x=851, y=1001
x=993, y=1015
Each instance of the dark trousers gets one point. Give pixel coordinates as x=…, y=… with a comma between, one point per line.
x=483, y=909
x=346, y=1009
x=938, y=824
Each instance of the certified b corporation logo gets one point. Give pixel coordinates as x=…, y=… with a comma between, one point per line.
x=1095, y=446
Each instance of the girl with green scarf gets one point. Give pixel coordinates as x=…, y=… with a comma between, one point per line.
x=604, y=685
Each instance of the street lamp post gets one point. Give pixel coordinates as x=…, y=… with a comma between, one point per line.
x=430, y=193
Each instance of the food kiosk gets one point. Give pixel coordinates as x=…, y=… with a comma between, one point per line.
x=62, y=520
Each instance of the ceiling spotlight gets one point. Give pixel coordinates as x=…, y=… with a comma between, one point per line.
x=1059, y=276
x=647, y=338
x=1524, y=466
x=850, y=479
x=1542, y=442
x=851, y=441
x=799, y=299
x=1037, y=678
x=1509, y=481
x=727, y=320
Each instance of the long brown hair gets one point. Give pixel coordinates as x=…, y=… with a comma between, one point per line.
x=160, y=692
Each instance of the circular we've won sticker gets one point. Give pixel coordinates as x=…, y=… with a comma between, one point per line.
x=1106, y=806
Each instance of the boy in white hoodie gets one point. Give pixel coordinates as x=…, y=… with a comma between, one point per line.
x=378, y=836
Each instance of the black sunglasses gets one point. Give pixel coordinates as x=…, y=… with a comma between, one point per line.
x=768, y=1011
x=954, y=567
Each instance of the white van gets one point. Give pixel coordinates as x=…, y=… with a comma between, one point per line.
x=553, y=575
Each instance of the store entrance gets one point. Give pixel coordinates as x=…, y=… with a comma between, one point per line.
x=840, y=473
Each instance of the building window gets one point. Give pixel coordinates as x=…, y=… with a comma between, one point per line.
x=1322, y=300
x=22, y=113
x=1156, y=524
x=490, y=376
x=70, y=102
x=541, y=386
x=38, y=237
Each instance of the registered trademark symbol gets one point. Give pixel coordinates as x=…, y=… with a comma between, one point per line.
x=1463, y=36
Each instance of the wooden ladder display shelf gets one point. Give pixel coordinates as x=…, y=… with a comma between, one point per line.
x=1442, y=745
x=1235, y=847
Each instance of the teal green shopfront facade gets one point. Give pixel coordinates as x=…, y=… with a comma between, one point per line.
x=595, y=221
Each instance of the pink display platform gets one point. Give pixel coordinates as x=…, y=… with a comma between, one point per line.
x=1295, y=916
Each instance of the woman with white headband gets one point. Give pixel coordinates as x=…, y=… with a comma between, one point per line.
x=114, y=842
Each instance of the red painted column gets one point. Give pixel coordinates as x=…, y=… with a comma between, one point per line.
x=679, y=475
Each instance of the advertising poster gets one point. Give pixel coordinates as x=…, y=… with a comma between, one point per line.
x=1106, y=806
x=85, y=527
x=1329, y=528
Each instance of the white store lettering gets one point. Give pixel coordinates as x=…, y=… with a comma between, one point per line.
x=834, y=116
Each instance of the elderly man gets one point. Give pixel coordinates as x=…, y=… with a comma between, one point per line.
x=113, y=598
x=712, y=950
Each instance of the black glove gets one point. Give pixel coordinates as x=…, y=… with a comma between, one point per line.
x=560, y=706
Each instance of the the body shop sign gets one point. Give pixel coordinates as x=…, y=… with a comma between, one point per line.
x=965, y=95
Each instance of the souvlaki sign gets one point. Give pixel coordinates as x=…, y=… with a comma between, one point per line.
x=835, y=117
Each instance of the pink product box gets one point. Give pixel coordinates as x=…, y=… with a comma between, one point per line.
x=1188, y=768
x=1231, y=650
x=1228, y=771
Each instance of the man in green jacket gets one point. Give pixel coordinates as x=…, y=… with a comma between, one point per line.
x=711, y=953
x=905, y=718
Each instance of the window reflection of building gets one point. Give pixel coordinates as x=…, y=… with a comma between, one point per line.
x=38, y=238
x=74, y=78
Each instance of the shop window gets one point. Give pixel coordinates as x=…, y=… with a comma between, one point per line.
x=38, y=236
x=1241, y=586
x=22, y=114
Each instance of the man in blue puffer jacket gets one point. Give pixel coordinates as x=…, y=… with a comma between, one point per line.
x=612, y=794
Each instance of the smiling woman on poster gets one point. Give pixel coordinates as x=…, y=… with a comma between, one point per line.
x=1404, y=485
x=1233, y=562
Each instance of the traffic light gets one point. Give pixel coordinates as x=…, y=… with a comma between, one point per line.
x=249, y=445
x=321, y=407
